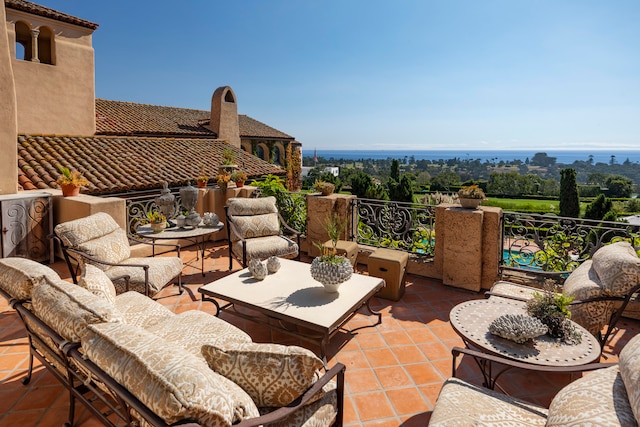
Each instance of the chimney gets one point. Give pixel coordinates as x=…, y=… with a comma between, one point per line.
x=224, y=115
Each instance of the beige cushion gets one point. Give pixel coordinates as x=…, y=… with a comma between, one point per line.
x=73, y=233
x=97, y=282
x=618, y=267
x=139, y=310
x=272, y=374
x=583, y=283
x=321, y=412
x=192, y=329
x=597, y=399
x=464, y=404
x=264, y=247
x=244, y=206
x=161, y=271
x=173, y=383
x=630, y=372
x=18, y=276
x=248, y=227
x=112, y=247
x=68, y=309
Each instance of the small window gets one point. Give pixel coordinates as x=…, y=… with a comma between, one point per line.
x=260, y=152
x=45, y=46
x=24, y=48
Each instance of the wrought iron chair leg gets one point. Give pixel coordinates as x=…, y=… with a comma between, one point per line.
x=26, y=380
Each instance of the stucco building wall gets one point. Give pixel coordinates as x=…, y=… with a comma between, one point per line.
x=58, y=98
x=8, y=127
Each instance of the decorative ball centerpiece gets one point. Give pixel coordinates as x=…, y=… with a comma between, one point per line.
x=210, y=219
x=331, y=269
x=257, y=269
x=517, y=327
x=273, y=264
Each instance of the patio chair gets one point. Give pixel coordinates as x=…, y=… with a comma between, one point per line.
x=99, y=240
x=255, y=228
x=607, y=396
x=602, y=288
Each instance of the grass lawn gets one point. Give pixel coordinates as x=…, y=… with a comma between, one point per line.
x=524, y=205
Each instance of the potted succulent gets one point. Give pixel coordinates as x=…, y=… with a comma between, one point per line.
x=239, y=177
x=331, y=269
x=202, y=180
x=228, y=161
x=324, y=187
x=470, y=196
x=157, y=221
x=223, y=180
x=70, y=182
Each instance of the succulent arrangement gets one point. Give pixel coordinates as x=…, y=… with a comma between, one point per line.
x=324, y=187
x=68, y=177
x=155, y=217
x=517, y=327
x=471, y=192
x=552, y=309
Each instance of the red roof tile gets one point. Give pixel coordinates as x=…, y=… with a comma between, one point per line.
x=130, y=118
x=39, y=10
x=115, y=164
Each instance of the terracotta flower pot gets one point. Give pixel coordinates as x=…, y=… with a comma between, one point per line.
x=239, y=183
x=470, y=203
x=70, y=190
x=202, y=184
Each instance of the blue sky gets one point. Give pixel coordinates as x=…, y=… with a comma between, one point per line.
x=369, y=74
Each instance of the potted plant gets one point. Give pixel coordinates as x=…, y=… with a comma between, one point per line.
x=223, y=180
x=228, y=161
x=239, y=177
x=157, y=221
x=324, y=187
x=470, y=196
x=70, y=182
x=202, y=180
x=331, y=269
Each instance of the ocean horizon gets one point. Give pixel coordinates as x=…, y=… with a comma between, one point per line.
x=562, y=156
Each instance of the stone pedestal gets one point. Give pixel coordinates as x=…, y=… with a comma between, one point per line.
x=319, y=208
x=390, y=265
x=462, y=260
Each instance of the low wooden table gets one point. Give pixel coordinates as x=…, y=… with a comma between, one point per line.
x=291, y=299
x=471, y=320
x=196, y=235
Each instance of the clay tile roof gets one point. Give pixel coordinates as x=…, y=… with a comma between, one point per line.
x=119, y=164
x=36, y=9
x=130, y=118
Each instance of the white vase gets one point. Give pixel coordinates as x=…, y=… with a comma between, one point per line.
x=331, y=275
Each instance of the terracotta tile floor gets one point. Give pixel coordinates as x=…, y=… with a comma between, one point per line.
x=394, y=370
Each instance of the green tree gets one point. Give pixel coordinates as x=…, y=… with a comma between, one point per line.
x=444, y=181
x=394, y=173
x=401, y=191
x=542, y=160
x=360, y=183
x=598, y=208
x=619, y=186
x=569, y=200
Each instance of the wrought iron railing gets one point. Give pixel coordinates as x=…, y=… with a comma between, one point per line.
x=551, y=243
x=293, y=208
x=139, y=205
x=409, y=227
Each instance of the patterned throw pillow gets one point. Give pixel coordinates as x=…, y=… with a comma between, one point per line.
x=597, y=399
x=248, y=227
x=113, y=247
x=18, y=276
x=173, y=383
x=618, y=267
x=272, y=374
x=68, y=309
x=630, y=373
x=98, y=283
x=243, y=206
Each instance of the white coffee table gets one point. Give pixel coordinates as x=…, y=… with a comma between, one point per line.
x=291, y=299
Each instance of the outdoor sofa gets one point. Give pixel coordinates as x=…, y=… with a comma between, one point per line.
x=130, y=355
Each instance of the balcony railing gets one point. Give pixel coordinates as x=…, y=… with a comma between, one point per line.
x=139, y=205
x=409, y=227
x=551, y=243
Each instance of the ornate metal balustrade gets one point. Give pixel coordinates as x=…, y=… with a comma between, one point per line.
x=138, y=206
x=408, y=227
x=551, y=243
x=293, y=208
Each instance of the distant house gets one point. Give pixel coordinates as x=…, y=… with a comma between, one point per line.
x=48, y=101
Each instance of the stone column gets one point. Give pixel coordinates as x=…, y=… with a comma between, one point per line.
x=319, y=208
x=462, y=257
x=34, y=45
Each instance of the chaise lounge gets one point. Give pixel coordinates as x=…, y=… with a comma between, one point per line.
x=130, y=356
